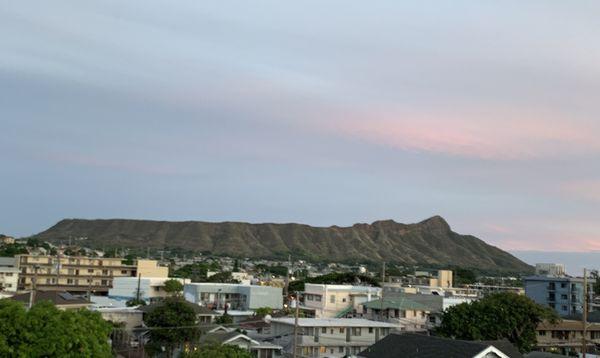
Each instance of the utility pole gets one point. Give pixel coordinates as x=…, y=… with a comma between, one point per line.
x=297, y=313
x=287, y=277
x=585, y=313
x=382, y=289
x=137, y=293
x=33, y=286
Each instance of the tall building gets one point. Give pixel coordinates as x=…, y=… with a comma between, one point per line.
x=330, y=301
x=80, y=274
x=563, y=294
x=550, y=269
x=9, y=274
x=235, y=296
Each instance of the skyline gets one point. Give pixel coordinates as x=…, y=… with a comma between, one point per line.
x=484, y=114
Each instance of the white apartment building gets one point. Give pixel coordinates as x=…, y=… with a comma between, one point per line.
x=9, y=274
x=151, y=288
x=330, y=301
x=330, y=337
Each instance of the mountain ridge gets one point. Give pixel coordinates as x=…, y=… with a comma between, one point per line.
x=430, y=241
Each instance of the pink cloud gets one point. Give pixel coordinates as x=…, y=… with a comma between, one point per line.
x=492, y=134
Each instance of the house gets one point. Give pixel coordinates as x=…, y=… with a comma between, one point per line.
x=411, y=345
x=329, y=337
x=7, y=240
x=151, y=288
x=565, y=337
x=564, y=294
x=335, y=301
x=61, y=299
x=406, y=314
x=9, y=275
x=234, y=296
x=257, y=348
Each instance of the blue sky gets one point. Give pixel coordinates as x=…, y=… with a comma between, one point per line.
x=317, y=112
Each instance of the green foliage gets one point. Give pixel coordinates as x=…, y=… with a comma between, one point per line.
x=224, y=319
x=173, y=312
x=277, y=270
x=45, y=331
x=135, y=302
x=10, y=250
x=195, y=272
x=594, y=274
x=502, y=315
x=173, y=287
x=263, y=311
x=128, y=260
x=222, y=277
x=236, y=266
x=464, y=276
x=218, y=351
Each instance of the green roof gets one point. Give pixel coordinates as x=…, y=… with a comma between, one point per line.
x=397, y=304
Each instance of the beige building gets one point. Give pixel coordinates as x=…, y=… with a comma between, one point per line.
x=330, y=337
x=565, y=337
x=330, y=301
x=79, y=273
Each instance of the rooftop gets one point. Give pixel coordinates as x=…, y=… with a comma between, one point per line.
x=410, y=345
x=398, y=304
x=58, y=298
x=333, y=322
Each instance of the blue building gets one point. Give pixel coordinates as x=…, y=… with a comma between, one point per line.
x=562, y=293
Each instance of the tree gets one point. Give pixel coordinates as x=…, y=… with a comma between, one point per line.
x=222, y=277
x=464, y=276
x=175, y=324
x=218, y=351
x=225, y=318
x=45, y=331
x=173, y=287
x=263, y=311
x=196, y=272
x=501, y=315
x=236, y=266
x=10, y=250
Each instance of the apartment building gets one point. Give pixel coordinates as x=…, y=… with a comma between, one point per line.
x=234, y=296
x=563, y=294
x=9, y=275
x=330, y=337
x=336, y=301
x=565, y=337
x=439, y=278
x=405, y=314
x=79, y=274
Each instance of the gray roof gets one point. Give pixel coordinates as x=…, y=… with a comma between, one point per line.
x=199, y=310
x=333, y=322
x=543, y=355
x=8, y=261
x=56, y=297
x=411, y=345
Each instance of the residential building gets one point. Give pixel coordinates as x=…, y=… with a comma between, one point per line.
x=151, y=268
x=7, y=240
x=128, y=317
x=563, y=294
x=233, y=296
x=410, y=345
x=151, y=288
x=257, y=349
x=330, y=301
x=329, y=337
x=9, y=274
x=439, y=278
x=61, y=299
x=546, y=269
x=406, y=314
x=565, y=337
x=80, y=274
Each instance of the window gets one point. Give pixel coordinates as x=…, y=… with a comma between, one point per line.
x=123, y=272
x=542, y=333
x=342, y=330
x=48, y=281
x=318, y=298
x=564, y=297
x=69, y=281
x=563, y=285
x=344, y=299
x=90, y=270
x=323, y=329
x=323, y=350
x=332, y=299
x=370, y=329
x=331, y=332
x=356, y=331
x=105, y=272
x=331, y=351
x=564, y=308
x=341, y=350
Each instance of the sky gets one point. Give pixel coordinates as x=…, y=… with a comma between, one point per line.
x=325, y=113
